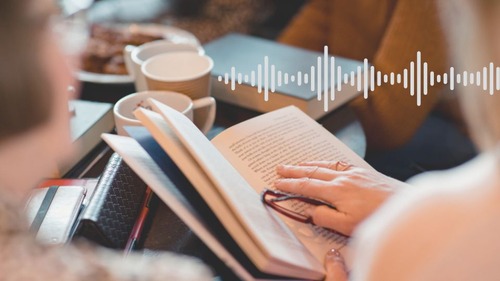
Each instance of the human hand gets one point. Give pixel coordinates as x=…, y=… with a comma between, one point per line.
x=356, y=192
x=335, y=266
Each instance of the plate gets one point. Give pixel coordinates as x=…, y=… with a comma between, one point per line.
x=170, y=33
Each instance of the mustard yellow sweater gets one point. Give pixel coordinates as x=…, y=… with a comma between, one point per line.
x=389, y=33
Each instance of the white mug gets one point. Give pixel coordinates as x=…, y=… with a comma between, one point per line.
x=135, y=56
x=124, y=108
x=183, y=72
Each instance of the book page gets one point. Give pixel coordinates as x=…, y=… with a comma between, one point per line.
x=286, y=136
x=255, y=229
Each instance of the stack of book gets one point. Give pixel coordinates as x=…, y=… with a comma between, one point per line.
x=214, y=186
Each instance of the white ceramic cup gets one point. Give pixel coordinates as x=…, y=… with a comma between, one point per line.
x=135, y=56
x=124, y=108
x=184, y=72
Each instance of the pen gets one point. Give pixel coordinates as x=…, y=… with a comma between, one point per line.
x=139, y=223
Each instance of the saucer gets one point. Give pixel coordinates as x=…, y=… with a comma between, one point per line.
x=170, y=33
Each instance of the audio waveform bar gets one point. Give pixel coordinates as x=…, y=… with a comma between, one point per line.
x=328, y=80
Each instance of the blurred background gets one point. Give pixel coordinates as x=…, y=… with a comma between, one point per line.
x=205, y=19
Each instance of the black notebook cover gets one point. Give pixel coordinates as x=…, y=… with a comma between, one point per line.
x=114, y=207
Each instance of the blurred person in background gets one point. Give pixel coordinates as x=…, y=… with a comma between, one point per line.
x=34, y=133
x=403, y=139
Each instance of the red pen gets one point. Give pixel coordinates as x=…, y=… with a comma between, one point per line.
x=139, y=223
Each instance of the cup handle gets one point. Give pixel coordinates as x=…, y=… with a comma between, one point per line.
x=127, y=55
x=204, y=113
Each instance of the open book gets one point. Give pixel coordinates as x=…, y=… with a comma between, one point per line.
x=227, y=175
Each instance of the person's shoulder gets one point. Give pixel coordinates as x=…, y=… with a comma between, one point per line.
x=415, y=224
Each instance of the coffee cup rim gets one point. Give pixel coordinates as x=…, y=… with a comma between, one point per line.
x=163, y=42
x=127, y=97
x=177, y=79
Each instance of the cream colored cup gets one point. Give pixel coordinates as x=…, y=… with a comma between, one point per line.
x=124, y=108
x=135, y=56
x=183, y=72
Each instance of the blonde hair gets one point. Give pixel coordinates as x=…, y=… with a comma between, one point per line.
x=25, y=92
x=473, y=29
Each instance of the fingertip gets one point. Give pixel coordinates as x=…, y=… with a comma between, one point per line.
x=283, y=169
x=334, y=258
x=317, y=216
x=280, y=168
x=309, y=212
x=278, y=182
x=333, y=255
x=335, y=266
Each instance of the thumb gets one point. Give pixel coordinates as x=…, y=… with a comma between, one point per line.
x=335, y=266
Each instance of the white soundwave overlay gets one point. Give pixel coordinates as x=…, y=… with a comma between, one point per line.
x=417, y=78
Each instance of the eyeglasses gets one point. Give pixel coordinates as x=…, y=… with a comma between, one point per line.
x=276, y=200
